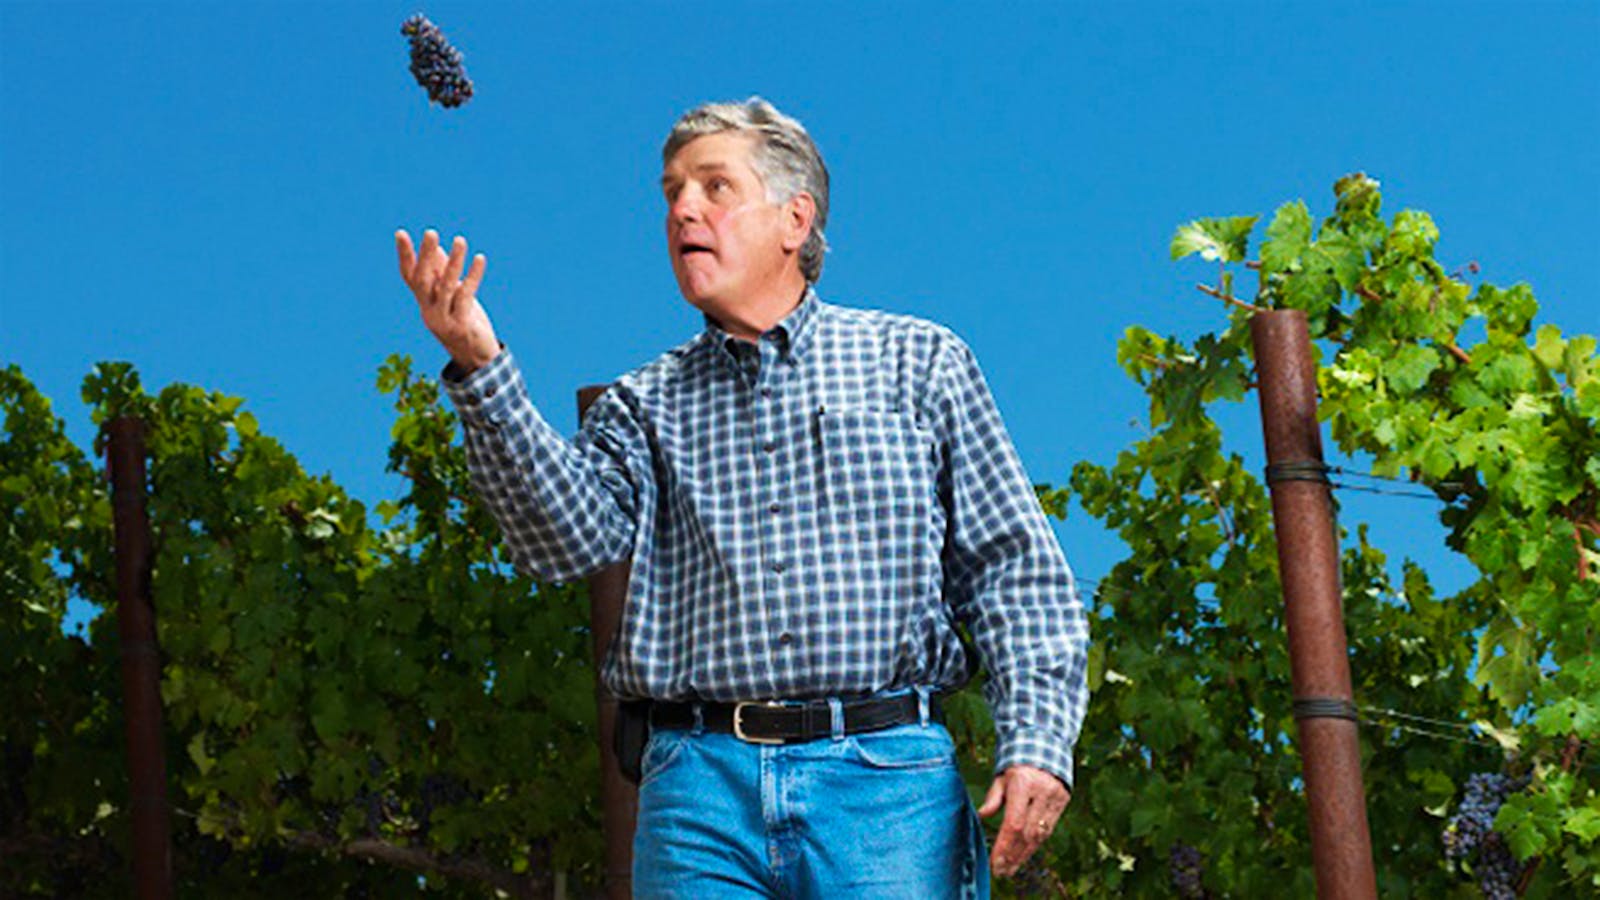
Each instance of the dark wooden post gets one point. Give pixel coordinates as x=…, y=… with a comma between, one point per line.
x=141, y=664
x=619, y=799
x=1308, y=560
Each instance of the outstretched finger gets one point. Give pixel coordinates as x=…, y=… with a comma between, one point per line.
x=458, y=261
x=475, y=275
x=408, y=254
x=439, y=288
x=427, y=266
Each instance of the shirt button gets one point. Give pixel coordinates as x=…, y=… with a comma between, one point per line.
x=779, y=567
x=775, y=507
x=770, y=447
x=785, y=639
x=489, y=392
x=766, y=392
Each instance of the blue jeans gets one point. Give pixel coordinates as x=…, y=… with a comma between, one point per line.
x=874, y=815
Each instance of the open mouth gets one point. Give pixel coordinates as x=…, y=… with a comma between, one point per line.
x=687, y=249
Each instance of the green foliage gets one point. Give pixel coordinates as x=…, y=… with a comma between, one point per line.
x=324, y=682
x=1189, y=736
x=59, y=696
x=1225, y=240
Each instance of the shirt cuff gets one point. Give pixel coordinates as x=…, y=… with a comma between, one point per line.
x=483, y=397
x=1034, y=747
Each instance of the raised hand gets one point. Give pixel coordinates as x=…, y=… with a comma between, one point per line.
x=449, y=305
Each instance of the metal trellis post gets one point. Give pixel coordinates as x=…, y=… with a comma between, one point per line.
x=619, y=799
x=141, y=664
x=1308, y=560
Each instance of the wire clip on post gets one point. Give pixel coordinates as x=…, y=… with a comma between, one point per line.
x=1324, y=708
x=1298, y=471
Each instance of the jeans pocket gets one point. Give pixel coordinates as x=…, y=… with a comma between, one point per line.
x=663, y=749
x=904, y=747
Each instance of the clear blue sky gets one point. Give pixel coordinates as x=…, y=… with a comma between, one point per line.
x=210, y=190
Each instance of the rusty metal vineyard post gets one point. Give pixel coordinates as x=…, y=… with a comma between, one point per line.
x=1308, y=560
x=141, y=662
x=619, y=799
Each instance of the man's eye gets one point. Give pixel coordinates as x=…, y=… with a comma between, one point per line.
x=719, y=185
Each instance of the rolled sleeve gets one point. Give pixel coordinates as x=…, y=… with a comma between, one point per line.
x=1008, y=580
x=565, y=508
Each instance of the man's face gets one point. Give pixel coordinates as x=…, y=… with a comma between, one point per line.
x=726, y=240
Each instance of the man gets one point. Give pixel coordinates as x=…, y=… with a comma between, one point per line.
x=813, y=498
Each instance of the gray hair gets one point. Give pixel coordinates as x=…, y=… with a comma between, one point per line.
x=785, y=158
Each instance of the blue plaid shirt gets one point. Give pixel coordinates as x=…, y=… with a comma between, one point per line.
x=808, y=515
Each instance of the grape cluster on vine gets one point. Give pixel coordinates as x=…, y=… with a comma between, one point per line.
x=1469, y=835
x=435, y=64
x=1186, y=867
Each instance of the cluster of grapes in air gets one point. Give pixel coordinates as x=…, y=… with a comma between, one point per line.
x=435, y=64
x=1469, y=835
x=1186, y=866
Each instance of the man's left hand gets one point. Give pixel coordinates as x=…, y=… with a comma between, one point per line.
x=1034, y=801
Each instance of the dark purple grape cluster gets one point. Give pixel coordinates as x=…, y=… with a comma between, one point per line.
x=435, y=64
x=1470, y=838
x=1186, y=866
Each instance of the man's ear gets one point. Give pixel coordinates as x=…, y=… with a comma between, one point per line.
x=799, y=213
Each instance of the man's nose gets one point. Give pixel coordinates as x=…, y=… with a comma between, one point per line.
x=686, y=206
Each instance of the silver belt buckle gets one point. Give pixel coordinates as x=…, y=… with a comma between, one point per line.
x=738, y=722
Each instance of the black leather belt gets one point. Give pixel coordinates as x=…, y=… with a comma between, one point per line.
x=772, y=722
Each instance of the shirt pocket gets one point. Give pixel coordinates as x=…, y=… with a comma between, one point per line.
x=877, y=470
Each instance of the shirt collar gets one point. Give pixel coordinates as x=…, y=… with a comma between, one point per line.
x=791, y=334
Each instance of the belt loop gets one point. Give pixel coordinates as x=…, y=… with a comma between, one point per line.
x=922, y=705
x=699, y=719
x=836, y=709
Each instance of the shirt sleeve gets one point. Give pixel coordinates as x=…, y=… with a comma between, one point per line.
x=566, y=508
x=1007, y=578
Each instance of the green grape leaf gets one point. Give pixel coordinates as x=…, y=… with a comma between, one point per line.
x=1530, y=822
x=1584, y=822
x=1413, y=234
x=1287, y=237
x=1579, y=361
x=1507, y=373
x=1344, y=258
x=1410, y=367
x=1569, y=715
x=197, y=753
x=1587, y=401
x=1507, y=664
x=1227, y=240
x=1548, y=348
x=1510, y=310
